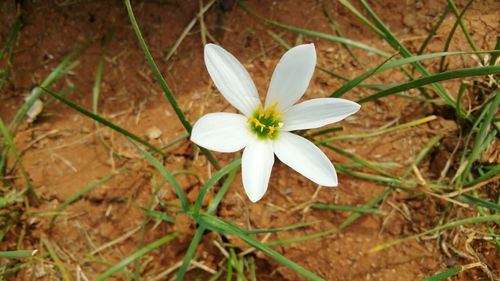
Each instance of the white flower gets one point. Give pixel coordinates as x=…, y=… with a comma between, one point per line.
x=265, y=131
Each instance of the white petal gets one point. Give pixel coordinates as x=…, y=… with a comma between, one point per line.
x=257, y=163
x=232, y=79
x=222, y=132
x=317, y=112
x=291, y=76
x=306, y=158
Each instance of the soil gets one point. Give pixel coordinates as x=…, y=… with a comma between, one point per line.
x=62, y=153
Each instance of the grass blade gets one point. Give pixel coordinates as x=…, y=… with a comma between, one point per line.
x=213, y=180
x=82, y=192
x=444, y=274
x=280, y=229
x=190, y=252
x=10, y=144
x=394, y=42
x=17, y=254
x=141, y=252
x=62, y=68
x=466, y=72
x=316, y=34
x=212, y=206
x=163, y=84
x=453, y=29
x=434, y=29
x=493, y=218
x=57, y=260
x=103, y=121
x=386, y=65
x=159, y=166
x=217, y=224
x=379, y=132
x=361, y=210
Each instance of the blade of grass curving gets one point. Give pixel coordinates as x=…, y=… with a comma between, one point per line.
x=158, y=215
x=387, y=64
x=199, y=200
x=459, y=16
x=212, y=206
x=457, y=223
x=163, y=170
x=327, y=131
x=361, y=210
x=494, y=56
x=351, y=219
x=218, y=225
x=359, y=160
x=62, y=93
x=190, y=252
x=468, y=199
x=11, y=146
x=380, y=131
x=316, y=34
x=20, y=254
x=104, y=121
x=163, y=84
x=463, y=158
x=9, y=49
x=475, y=198
x=149, y=213
x=58, y=72
x=376, y=200
x=460, y=73
x=141, y=252
x=461, y=91
x=337, y=31
x=444, y=274
x=433, y=30
x=175, y=141
x=229, y=270
x=75, y=197
x=251, y=268
x=420, y=156
x=453, y=30
x=486, y=176
x=188, y=29
x=211, y=182
x=394, y=42
x=362, y=18
x=280, y=229
x=97, y=89
x=484, y=136
x=237, y=264
x=59, y=264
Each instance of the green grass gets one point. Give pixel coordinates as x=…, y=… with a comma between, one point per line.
x=466, y=185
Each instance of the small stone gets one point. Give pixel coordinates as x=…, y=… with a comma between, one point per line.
x=153, y=133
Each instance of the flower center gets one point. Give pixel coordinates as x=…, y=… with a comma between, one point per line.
x=266, y=123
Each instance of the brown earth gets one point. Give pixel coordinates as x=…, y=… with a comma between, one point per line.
x=63, y=155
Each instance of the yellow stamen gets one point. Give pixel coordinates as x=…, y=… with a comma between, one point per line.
x=257, y=123
x=272, y=129
x=270, y=109
x=260, y=111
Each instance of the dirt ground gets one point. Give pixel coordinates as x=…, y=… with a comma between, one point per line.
x=63, y=155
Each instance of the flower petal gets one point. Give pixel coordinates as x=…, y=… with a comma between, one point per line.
x=306, y=158
x=317, y=112
x=222, y=132
x=232, y=79
x=257, y=163
x=291, y=76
